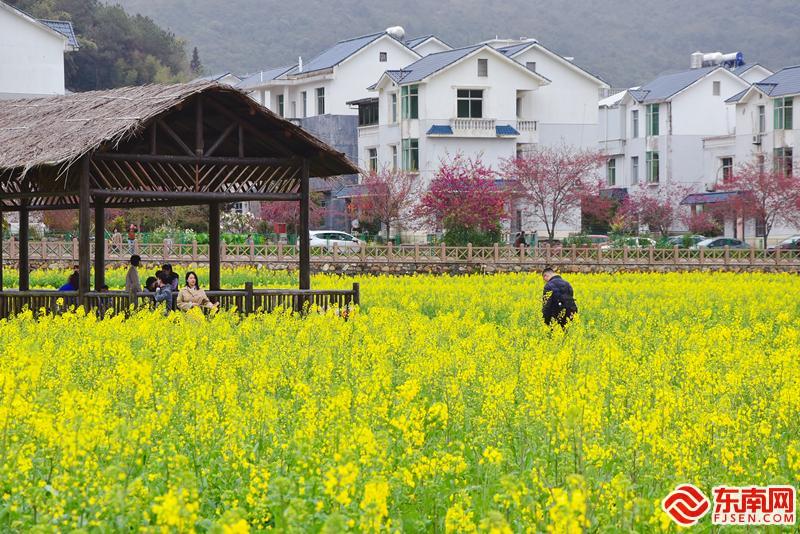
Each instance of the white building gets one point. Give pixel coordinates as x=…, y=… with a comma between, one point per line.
x=470, y=100
x=339, y=74
x=656, y=134
x=767, y=132
x=427, y=44
x=566, y=109
x=32, y=54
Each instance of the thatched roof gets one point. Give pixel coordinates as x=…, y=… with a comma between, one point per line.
x=57, y=131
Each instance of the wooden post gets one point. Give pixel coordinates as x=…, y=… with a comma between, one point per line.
x=650, y=255
x=469, y=252
x=248, y=299
x=702, y=254
x=363, y=251
x=726, y=254
x=24, y=250
x=252, y=250
x=574, y=252
x=44, y=248
x=213, y=247
x=497, y=253
x=625, y=254
x=75, y=252
x=416, y=252
x=389, y=251
x=444, y=252
x=675, y=254
x=84, y=227
x=752, y=254
x=356, y=293
x=194, y=250
x=305, y=245
x=99, y=243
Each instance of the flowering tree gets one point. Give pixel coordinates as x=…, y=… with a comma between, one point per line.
x=554, y=181
x=388, y=199
x=767, y=195
x=464, y=198
x=237, y=223
x=288, y=213
x=705, y=222
x=654, y=207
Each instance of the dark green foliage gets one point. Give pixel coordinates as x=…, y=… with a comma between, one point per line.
x=627, y=42
x=195, y=65
x=459, y=236
x=116, y=49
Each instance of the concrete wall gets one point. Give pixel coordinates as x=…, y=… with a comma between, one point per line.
x=31, y=57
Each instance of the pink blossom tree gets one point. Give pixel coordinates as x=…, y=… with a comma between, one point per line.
x=388, y=198
x=463, y=197
x=656, y=207
x=554, y=181
x=288, y=213
x=768, y=195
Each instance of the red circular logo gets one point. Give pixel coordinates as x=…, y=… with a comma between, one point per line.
x=686, y=505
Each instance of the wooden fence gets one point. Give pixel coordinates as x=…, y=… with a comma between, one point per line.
x=421, y=255
x=247, y=300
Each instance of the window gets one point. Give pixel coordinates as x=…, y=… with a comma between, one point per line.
x=652, y=119
x=530, y=65
x=304, y=96
x=761, y=227
x=611, y=172
x=519, y=106
x=483, y=68
x=410, y=154
x=394, y=157
x=368, y=113
x=470, y=103
x=519, y=150
x=783, y=160
x=393, y=108
x=783, y=113
x=280, y=105
x=409, y=96
x=726, y=165
x=237, y=207
x=652, y=167
x=635, y=170
x=518, y=220
x=372, y=159
x=294, y=108
x=320, y=101
x=382, y=57
x=716, y=88
x=762, y=119
x=635, y=122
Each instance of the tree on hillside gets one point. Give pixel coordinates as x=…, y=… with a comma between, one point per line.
x=195, y=65
x=116, y=49
x=769, y=195
x=388, y=198
x=657, y=208
x=464, y=200
x=553, y=181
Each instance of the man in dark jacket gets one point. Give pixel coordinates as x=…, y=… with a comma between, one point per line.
x=558, y=302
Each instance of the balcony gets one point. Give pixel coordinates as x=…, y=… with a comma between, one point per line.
x=473, y=127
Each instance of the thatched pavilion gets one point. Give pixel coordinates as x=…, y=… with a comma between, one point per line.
x=150, y=146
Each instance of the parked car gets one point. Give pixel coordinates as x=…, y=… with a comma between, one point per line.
x=685, y=241
x=328, y=238
x=792, y=243
x=720, y=242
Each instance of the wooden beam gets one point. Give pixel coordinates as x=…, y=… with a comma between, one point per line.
x=199, y=197
x=154, y=139
x=252, y=130
x=24, y=250
x=241, y=140
x=213, y=247
x=99, y=244
x=305, y=249
x=84, y=227
x=176, y=137
x=220, y=140
x=198, y=132
x=202, y=160
x=2, y=219
x=41, y=194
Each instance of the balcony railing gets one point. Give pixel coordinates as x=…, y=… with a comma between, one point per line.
x=526, y=126
x=477, y=125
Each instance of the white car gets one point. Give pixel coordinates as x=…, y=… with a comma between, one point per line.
x=328, y=238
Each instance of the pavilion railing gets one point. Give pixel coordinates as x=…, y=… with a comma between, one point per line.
x=48, y=252
x=245, y=301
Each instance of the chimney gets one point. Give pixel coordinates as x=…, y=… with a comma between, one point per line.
x=696, y=60
x=300, y=64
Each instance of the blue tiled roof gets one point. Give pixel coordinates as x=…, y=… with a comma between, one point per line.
x=782, y=83
x=667, y=86
x=63, y=27
x=254, y=80
x=513, y=50
x=337, y=53
x=708, y=198
x=440, y=129
x=422, y=68
x=505, y=129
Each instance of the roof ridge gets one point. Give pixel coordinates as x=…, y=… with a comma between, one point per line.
x=360, y=37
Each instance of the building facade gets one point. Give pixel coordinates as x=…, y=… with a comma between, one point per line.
x=32, y=54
